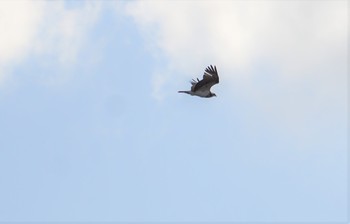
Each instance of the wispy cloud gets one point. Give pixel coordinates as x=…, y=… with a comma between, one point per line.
x=284, y=56
x=241, y=34
x=44, y=29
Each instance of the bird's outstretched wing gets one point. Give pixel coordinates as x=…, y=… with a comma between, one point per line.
x=210, y=78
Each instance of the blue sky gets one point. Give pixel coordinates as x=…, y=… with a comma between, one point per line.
x=92, y=127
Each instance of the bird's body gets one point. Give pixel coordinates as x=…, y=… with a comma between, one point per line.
x=202, y=87
x=198, y=93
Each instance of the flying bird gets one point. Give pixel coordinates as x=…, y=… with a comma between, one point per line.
x=202, y=87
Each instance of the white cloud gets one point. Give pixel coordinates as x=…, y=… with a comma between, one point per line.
x=262, y=48
x=18, y=20
x=44, y=28
x=64, y=30
x=241, y=34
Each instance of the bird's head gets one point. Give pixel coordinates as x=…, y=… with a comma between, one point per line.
x=213, y=94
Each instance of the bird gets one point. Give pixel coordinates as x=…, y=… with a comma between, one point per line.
x=202, y=87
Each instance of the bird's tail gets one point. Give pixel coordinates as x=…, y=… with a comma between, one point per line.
x=188, y=92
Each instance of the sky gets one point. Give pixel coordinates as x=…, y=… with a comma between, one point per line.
x=92, y=127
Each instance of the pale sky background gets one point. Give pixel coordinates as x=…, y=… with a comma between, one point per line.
x=92, y=127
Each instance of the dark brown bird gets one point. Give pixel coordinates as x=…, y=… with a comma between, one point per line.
x=202, y=87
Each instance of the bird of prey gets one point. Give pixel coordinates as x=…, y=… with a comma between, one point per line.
x=202, y=87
